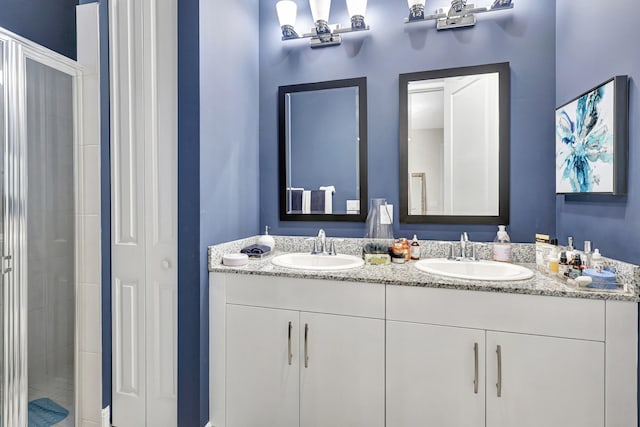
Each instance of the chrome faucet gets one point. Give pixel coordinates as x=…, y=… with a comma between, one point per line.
x=320, y=245
x=322, y=237
x=466, y=247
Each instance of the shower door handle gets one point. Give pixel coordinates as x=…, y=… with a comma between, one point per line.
x=8, y=266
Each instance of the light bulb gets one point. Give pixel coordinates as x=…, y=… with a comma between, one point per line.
x=357, y=7
x=320, y=10
x=416, y=2
x=287, y=10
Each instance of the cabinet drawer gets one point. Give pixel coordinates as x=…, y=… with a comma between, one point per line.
x=324, y=296
x=528, y=314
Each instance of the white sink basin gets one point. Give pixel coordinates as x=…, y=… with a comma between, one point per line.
x=474, y=270
x=306, y=261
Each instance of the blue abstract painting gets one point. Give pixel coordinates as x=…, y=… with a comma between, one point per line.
x=585, y=142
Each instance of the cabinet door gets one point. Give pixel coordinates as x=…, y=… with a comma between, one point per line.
x=262, y=369
x=430, y=376
x=550, y=382
x=342, y=371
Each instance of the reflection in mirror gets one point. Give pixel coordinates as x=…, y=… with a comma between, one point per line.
x=418, y=193
x=322, y=137
x=454, y=135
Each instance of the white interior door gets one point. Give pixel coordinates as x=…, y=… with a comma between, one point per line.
x=470, y=145
x=342, y=381
x=262, y=367
x=541, y=388
x=143, y=52
x=435, y=376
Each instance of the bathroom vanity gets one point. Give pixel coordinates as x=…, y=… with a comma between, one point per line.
x=394, y=346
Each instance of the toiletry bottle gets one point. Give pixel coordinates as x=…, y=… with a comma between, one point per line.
x=554, y=260
x=415, y=248
x=586, y=259
x=570, y=243
x=406, y=248
x=563, y=265
x=596, y=261
x=502, y=245
x=577, y=266
x=266, y=239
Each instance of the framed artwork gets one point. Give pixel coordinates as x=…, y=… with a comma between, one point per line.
x=592, y=133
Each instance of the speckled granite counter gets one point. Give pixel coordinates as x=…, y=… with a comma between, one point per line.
x=408, y=275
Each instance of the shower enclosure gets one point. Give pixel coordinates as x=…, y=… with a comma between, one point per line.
x=39, y=92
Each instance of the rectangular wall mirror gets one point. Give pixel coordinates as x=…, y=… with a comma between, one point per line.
x=323, y=151
x=454, y=145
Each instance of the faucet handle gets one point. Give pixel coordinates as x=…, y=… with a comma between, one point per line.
x=332, y=248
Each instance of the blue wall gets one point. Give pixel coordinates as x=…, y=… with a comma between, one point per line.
x=523, y=36
x=590, y=50
x=49, y=23
x=227, y=160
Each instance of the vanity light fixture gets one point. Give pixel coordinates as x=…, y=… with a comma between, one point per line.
x=460, y=14
x=323, y=34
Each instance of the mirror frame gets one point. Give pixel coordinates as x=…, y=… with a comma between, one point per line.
x=361, y=84
x=504, y=128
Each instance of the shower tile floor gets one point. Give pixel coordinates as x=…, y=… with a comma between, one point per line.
x=60, y=390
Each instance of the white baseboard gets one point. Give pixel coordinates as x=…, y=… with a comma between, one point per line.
x=105, y=417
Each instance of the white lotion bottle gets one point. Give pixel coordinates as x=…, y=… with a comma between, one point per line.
x=502, y=245
x=596, y=261
x=266, y=239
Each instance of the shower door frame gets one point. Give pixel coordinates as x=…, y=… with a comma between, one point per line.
x=16, y=52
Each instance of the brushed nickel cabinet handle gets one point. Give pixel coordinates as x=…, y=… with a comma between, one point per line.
x=306, y=340
x=499, y=384
x=475, y=371
x=290, y=354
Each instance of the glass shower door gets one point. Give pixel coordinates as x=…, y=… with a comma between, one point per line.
x=3, y=311
x=50, y=220
x=38, y=136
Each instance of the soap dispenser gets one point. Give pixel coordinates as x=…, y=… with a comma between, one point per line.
x=267, y=239
x=502, y=245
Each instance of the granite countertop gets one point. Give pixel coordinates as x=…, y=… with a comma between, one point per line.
x=408, y=275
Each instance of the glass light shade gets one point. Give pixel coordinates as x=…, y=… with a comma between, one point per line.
x=287, y=10
x=415, y=2
x=320, y=10
x=357, y=7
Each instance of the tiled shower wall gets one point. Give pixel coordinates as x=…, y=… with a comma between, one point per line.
x=89, y=357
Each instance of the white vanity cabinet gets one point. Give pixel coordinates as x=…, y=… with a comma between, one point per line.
x=544, y=381
x=342, y=383
x=262, y=366
x=541, y=360
x=296, y=352
x=430, y=375
x=304, y=353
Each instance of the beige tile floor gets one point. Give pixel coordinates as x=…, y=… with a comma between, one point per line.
x=60, y=390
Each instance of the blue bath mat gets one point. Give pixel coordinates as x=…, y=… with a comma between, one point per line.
x=45, y=413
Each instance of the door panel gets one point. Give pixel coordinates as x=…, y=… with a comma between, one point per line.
x=551, y=382
x=262, y=374
x=470, y=135
x=143, y=75
x=343, y=381
x=430, y=376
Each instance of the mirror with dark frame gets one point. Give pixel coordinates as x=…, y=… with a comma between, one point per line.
x=454, y=145
x=322, y=136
